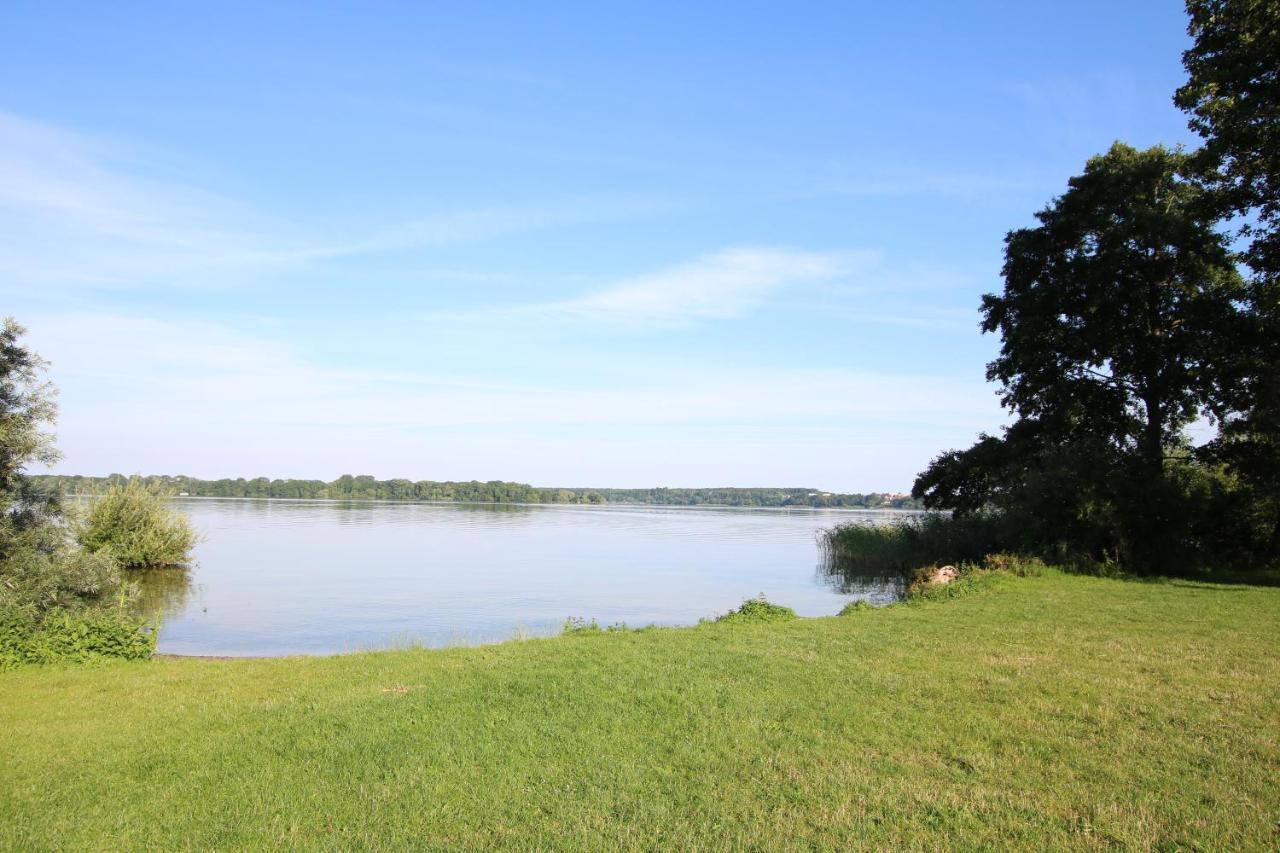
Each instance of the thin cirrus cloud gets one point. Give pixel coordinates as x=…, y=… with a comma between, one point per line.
x=84, y=221
x=721, y=285
x=78, y=210
x=718, y=286
x=74, y=212
x=137, y=391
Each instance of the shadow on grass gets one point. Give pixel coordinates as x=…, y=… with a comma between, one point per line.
x=1230, y=581
x=859, y=558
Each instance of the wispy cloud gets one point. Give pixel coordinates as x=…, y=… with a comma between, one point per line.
x=486, y=223
x=74, y=211
x=184, y=370
x=718, y=286
x=143, y=392
x=78, y=210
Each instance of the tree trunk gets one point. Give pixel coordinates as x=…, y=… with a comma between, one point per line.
x=1152, y=441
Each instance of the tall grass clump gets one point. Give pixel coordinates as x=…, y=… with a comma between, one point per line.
x=757, y=610
x=136, y=527
x=911, y=543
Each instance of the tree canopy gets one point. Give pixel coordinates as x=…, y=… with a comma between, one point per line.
x=1148, y=297
x=27, y=410
x=41, y=570
x=365, y=487
x=1119, y=320
x=1233, y=96
x=1118, y=308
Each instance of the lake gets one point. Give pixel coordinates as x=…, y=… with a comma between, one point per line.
x=276, y=577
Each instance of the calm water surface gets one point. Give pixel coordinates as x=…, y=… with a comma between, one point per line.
x=277, y=577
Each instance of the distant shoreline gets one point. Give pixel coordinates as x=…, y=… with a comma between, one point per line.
x=617, y=505
x=367, y=488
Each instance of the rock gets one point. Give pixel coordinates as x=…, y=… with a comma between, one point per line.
x=944, y=574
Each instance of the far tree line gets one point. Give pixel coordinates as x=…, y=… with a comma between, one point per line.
x=366, y=487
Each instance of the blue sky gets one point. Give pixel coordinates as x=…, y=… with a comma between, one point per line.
x=674, y=244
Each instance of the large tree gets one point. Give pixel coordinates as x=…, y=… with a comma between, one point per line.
x=26, y=411
x=41, y=569
x=1233, y=97
x=1116, y=319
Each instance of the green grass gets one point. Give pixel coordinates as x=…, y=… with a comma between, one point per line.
x=1048, y=712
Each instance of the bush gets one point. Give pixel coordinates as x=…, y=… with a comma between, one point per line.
x=579, y=625
x=58, y=602
x=41, y=569
x=971, y=578
x=138, y=528
x=755, y=610
x=69, y=636
x=855, y=607
x=1015, y=564
x=576, y=625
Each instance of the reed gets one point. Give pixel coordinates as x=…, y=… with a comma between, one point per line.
x=912, y=543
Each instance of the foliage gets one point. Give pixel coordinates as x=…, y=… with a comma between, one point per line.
x=137, y=527
x=365, y=487
x=65, y=636
x=1061, y=713
x=908, y=544
x=579, y=625
x=855, y=607
x=576, y=625
x=26, y=408
x=1016, y=564
x=40, y=569
x=756, y=610
x=57, y=601
x=993, y=570
x=971, y=579
x=1233, y=96
x=1119, y=321
x=26, y=411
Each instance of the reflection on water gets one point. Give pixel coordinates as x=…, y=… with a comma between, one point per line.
x=848, y=577
x=162, y=593
x=291, y=576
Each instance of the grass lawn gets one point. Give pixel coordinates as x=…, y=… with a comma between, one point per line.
x=1047, y=712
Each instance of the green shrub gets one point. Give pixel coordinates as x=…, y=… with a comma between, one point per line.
x=855, y=607
x=42, y=569
x=16, y=628
x=758, y=609
x=1015, y=564
x=66, y=636
x=577, y=625
x=138, y=528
